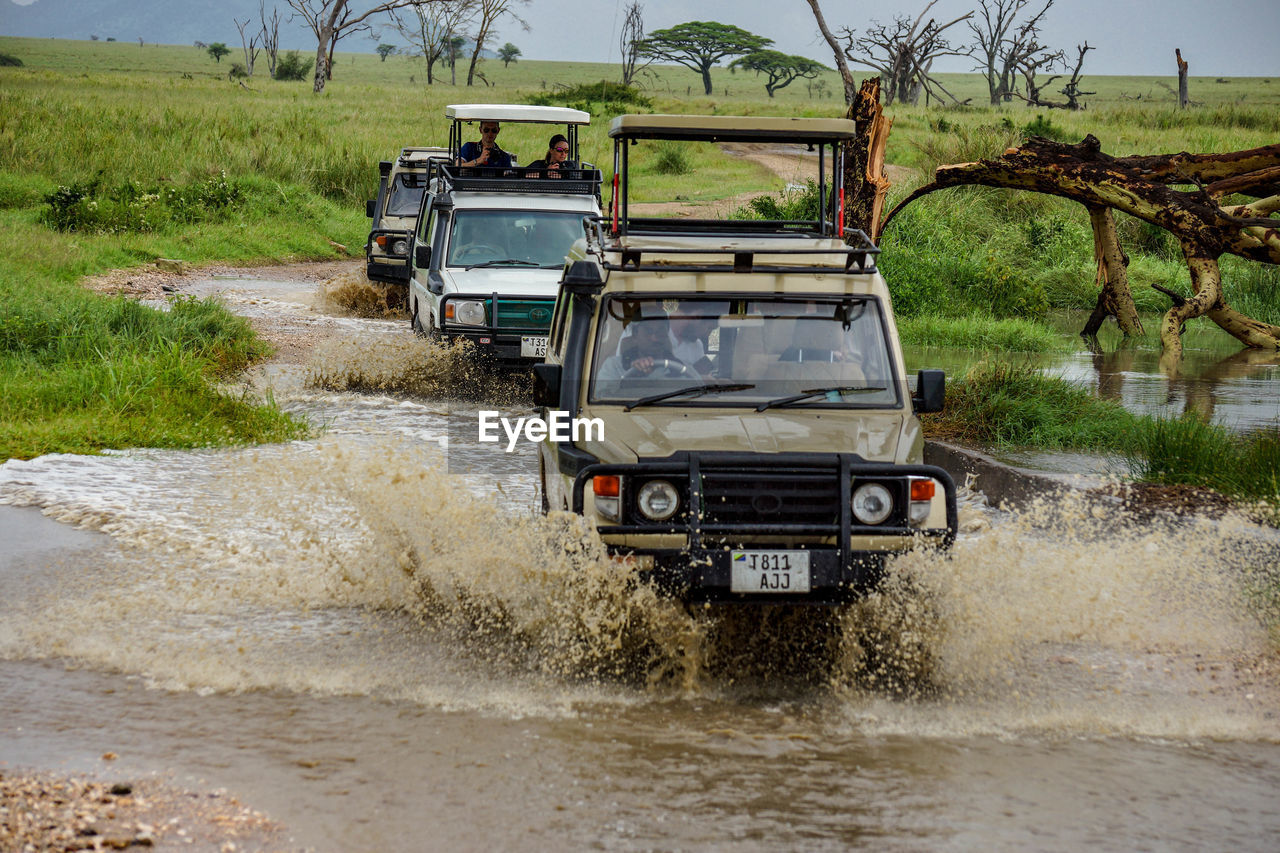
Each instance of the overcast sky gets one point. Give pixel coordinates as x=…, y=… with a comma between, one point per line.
x=1218, y=37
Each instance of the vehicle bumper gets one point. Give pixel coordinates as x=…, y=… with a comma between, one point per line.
x=388, y=271
x=691, y=555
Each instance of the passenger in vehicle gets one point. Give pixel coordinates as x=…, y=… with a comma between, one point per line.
x=689, y=336
x=485, y=152
x=555, y=160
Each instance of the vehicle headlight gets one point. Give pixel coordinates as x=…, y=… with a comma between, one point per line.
x=871, y=503
x=468, y=312
x=658, y=500
x=400, y=247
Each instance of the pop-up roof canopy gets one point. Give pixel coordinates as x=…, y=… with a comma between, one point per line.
x=732, y=128
x=515, y=112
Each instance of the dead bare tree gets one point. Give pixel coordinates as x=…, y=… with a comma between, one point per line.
x=1181, y=193
x=331, y=19
x=429, y=28
x=630, y=38
x=250, y=45
x=903, y=54
x=1071, y=88
x=863, y=180
x=270, y=35
x=489, y=13
x=1002, y=44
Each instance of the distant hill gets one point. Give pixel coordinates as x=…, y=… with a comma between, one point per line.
x=161, y=21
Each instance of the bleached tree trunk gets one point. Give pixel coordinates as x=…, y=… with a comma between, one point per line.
x=1115, y=298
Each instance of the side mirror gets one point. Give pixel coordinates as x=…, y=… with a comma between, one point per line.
x=931, y=389
x=422, y=256
x=546, y=385
x=369, y=207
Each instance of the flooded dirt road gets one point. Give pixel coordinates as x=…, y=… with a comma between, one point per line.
x=382, y=645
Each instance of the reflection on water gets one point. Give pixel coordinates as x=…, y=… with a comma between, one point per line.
x=1239, y=389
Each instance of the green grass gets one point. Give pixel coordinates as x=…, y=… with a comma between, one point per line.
x=1005, y=406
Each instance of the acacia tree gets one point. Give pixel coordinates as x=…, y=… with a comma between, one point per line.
x=508, y=53
x=217, y=50
x=698, y=45
x=330, y=20
x=903, y=54
x=1002, y=44
x=780, y=70
x=630, y=41
x=490, y=12
x=1182, y=193
x=385, y=50
x=431, y=28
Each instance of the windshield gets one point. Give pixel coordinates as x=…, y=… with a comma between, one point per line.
x=406, y=195
x=758, y=353
x=516, y=237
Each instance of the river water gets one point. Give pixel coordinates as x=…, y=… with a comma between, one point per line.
x=383, y=645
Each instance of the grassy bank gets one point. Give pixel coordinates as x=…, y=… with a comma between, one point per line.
x=139, y=153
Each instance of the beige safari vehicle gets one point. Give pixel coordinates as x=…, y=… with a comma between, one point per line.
x=749, y=431
x=393, y=214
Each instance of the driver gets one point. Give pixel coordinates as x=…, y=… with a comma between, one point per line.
x=647, y=345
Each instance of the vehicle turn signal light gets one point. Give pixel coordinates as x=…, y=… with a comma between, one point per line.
x=606, y=486
x=922, y=490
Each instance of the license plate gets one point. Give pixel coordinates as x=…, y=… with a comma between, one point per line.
x=533, y=346
x=769, y=571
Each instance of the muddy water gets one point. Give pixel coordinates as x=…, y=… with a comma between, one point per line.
x=382, y=644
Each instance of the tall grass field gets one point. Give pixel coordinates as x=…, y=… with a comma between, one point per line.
x=113, y=155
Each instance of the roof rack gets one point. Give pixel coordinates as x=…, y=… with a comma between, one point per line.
x=422, y=156
x=858, y=257
x=520, y=179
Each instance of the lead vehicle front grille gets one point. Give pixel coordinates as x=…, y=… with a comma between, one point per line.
x=747, y=496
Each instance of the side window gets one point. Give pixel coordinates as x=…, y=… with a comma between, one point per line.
x=559, y=320
x=426, y=224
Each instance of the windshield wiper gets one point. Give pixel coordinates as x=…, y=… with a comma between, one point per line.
x=814, y=392
x=504, y=262
x=691, y=390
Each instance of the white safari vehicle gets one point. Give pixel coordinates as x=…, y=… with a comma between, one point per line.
x=755, y=435
x=491, y=240
x=393, y=215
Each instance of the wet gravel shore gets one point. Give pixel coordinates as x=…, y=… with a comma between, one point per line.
x=47, y=812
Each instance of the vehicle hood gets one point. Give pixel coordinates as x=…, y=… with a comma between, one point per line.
x=505, y=281
x=659, y=432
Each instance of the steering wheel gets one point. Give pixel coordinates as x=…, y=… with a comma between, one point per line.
x=478, y=251
x=670, y=366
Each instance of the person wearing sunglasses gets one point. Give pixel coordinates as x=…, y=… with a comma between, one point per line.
x=556, y=158
x=485, y=152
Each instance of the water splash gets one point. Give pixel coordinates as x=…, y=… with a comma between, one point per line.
x=353, y=565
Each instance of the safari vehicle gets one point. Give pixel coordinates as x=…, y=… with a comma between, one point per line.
x=491, y=241
x=393, y=215
x=756, y=438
